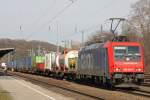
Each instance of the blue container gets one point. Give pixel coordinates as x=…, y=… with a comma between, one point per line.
x=11, y=64
x=28, y=63
x=19, y=64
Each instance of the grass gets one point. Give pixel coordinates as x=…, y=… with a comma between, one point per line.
x=4, y=95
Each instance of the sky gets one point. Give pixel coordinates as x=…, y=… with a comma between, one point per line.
x=42, y=20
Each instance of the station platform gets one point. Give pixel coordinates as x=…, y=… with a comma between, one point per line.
x=19, y=89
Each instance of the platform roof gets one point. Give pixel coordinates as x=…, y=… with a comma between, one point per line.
x=4, y=51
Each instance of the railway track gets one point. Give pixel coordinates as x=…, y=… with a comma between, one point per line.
x=137, y=92
x=147, y=78
x=73, y=91
x=140, y=91
x=49, y=85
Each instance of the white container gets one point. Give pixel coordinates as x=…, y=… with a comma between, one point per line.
x=50, y=60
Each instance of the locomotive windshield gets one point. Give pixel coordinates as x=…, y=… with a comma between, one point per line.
x=127, y=53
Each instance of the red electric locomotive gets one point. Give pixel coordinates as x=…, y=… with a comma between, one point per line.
x=126, y=62
x=120, y=64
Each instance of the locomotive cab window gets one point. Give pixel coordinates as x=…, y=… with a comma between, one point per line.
x=127, y=53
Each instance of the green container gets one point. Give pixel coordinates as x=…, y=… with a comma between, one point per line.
x=37, y=59
x=33, y=61
x=40, y=59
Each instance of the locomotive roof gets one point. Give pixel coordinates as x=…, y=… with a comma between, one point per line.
x=93, y=46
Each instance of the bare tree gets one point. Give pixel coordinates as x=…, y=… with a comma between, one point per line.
x=141, y=20
x=132, y=33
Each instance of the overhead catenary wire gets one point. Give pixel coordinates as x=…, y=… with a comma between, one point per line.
x=54, y=17
x=36, y=21
x=87, y=29
x=59, y=13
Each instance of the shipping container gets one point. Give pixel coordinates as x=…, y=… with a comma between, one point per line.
x=50, y=61
x=33, y=62
x=14, y=65
x=41, y=66
x=11, y=65
x=37, y=61
x=19, y=64
x=28, y=63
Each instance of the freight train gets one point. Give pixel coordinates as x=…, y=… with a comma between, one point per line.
x=111, y=63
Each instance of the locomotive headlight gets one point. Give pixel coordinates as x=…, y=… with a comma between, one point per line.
x=117, y=69
x=127, y=59
x=139, y=69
